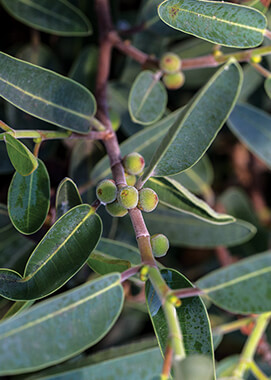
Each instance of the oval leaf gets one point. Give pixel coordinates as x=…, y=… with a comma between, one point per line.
x=46, y=95
x=111, y=255
x=64, y=325
x=20, y=156
x=67, y=197
x=58, y=17
x=188, y=231
x=220, y=23
x=172, y=194
x=192, y=315
x=252, y=127
x=197, y=126
x=147, y=99
x=60, y=254
x=29, y=200
x=241, y=288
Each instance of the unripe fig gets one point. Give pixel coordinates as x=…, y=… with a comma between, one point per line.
x=128, y=197
x=133, y=163
x=130, y=179
x=148, y=200
x=170, y=63
x=160, y=245
x=106, y=191
x=174, y=81
x=115, y=209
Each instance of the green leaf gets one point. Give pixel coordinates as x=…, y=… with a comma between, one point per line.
x=188, y=231
x=60, y=254
x=173, y=195
x=267, y=86
x=20, y=156
x=195, y=367
x=241, y=288
x=60, y=327
x=111, y=255
x=197, y=126
x=29, y=200
x=60, y=17
x=226, y=366
x=4, y=218
x=117, y=363
x=147, y=99
x=252, y=127
x=220, y=23
x=67, y=197
x=46, y=95
x=192, y=316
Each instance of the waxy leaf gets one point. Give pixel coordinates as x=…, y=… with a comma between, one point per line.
x=218, y=22
x=188, y=231
x=117, y=363
x=111, y=255
x=267, y=86
x=241, y=288
x=60, y=327
x=60, y=254
x=46, y=95
x=29, y=200
x=147, y=99
x=192, y=315
x=172, y=194
x=20, y=156
x=4, y=218
x=252, y=127
x=67, y=197
x=197, y=126
x=58, y=17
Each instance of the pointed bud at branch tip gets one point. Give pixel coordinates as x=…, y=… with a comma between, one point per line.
x=174, y=300
x=144, y=273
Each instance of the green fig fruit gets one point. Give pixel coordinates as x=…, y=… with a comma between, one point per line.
x=133, y=163
x=128, y=197
x=147, y=200
x=106, y=191
x=160, y=245
x=174, y=81
x=170, y=63
x=115, y=209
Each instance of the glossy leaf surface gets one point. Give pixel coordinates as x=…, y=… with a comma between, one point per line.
x=117, y=363
x=243, y=288
x=46, y=95
x=22, y=159
x=173, y=195
x=221, y=23
x=67, y=197
x=147, y=99
x=197, y=126
x=60, y=254
x=111, y=255
x=68, y=324
x=58, y=17
x=192, y=317
x=188, y=231
x=252, y=127
x=29, y=200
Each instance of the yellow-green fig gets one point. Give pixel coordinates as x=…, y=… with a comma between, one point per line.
x=106, y=191
x=148, y=200
x=115, y=209
x=174, y=81
x=160, y=245
x=128, y=197
x=170, y=63
x=130, y=179
x=133, y=163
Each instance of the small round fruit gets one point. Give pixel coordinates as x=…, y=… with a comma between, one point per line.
x=106, y=191
x=130, y=179
x=147, y=200
x=174, y=81
x=170, y=63
x=115, y=209
x=160, y=245
x=133, y=163
x=128, y=197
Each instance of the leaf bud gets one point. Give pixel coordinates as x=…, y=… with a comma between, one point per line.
x=144, y=273
x=174, y=300
x=170, y=63
x=106, y=191
x=128, y=197
x=174, y=81
x=160, y=245
x=115, y=209
x=148, y=200
x=133, y=163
